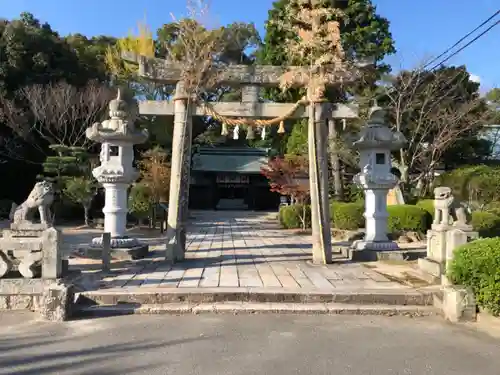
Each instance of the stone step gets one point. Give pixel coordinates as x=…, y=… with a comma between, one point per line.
x=255, y=307
x=153, y=296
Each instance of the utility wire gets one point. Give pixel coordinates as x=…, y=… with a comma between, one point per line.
x=461, y=40
x=466, y=45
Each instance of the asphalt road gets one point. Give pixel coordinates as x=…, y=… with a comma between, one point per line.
x=244, y=344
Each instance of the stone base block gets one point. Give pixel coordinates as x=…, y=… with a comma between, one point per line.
x=431, y=267
x=132, y=253
x=375, y=246
x=27, y=226
x=366, y=255
x=57, y=302
x=117, y=242
x=458, y=304
x=53, y=299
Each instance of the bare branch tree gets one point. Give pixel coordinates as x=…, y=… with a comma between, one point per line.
x=433, y=110
x=54, y=113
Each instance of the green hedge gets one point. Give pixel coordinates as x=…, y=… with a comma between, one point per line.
x=427, y=204
x=477, y=265
x=486, y=223
x=493, y=207
x=348, y=216
x=478, y=185
x=290, y=216
x=407, y=217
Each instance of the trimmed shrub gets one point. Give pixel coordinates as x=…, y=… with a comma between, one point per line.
x=139, y=201
x=477, y=265
x=405, y=217
x=493, y=207
x=348, y=216
x=294, y=216
x=477, y=184
x=427, y=204
x=486, y=223
x=353, y=193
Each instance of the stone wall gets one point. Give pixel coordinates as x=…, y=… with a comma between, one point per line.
x=53, y=299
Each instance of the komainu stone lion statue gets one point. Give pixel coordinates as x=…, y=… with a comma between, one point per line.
x=40, y=198
x=447, y=207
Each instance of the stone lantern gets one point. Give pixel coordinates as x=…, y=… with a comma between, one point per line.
x=375, y=143
x=116, y=171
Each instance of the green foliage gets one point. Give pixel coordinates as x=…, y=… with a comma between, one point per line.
x=69, y=162
x=297, y=141
x=347, y=216
x=33, y=53
x=493, y=207
x=91, y=53
x=354, y=193
x=478, y=185
x=140, y=200
x=295, y=216
x=477, y=265
x=364, y=33
x=427, y=204
x=406, y=217
x=80, y=190
x=486, y=223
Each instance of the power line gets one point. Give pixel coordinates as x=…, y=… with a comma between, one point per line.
x=467, y=45
x=461, y=40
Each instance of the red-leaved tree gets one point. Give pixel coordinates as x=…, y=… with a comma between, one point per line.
x=288, y=176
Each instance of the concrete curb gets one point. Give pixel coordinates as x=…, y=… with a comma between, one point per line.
x=160, y=296
x=256, y=308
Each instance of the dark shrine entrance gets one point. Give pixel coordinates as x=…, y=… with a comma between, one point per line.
x=229, y=178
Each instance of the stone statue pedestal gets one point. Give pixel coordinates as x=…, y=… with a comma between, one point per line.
x=116, y=172
x=442, y=240
x=435, y=262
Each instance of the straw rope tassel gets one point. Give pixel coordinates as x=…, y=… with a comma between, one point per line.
x=263, y=133
x=236, y=132
x=210, y=111
x=224, y=130
x=281, y=128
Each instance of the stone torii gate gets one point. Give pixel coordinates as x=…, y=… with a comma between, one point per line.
x=251, y=79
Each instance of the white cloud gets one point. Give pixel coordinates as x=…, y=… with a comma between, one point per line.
x=475, y=78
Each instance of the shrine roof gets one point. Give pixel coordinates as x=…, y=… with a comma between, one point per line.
x=230, y=159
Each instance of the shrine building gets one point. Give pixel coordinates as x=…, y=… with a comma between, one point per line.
x=230, y=178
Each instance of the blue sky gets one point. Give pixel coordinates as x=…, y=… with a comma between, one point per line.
x=421, y=29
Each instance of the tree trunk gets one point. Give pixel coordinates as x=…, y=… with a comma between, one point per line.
x=86, y=213
x=318, y=180
x=335, y=161
x=182, y=119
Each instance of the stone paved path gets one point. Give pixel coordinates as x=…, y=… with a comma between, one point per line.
x=235, y=250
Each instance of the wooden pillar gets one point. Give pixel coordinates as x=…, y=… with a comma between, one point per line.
x=250, y=94
x=186, y=183
x=176, y=219
x=318, y=180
